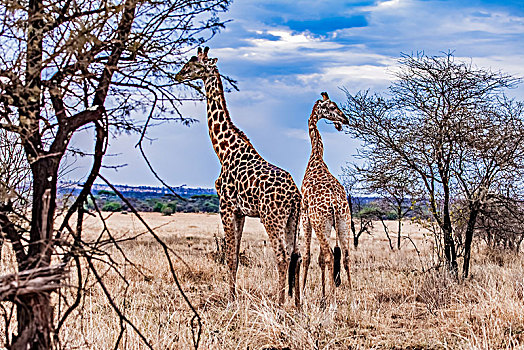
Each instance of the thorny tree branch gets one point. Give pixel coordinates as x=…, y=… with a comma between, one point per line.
x=100, y=146
x=61, y=62
x=139, y=144
x=196, y=317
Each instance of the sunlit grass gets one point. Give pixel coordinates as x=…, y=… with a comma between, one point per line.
x=396, y=301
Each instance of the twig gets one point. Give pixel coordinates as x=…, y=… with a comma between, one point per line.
x=196, y=337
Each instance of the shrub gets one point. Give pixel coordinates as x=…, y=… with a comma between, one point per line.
x=167, y=210
x=210, y=207
x=158, y=207
x=172, y=205
x=106, y=193
x=112, y=206
x=368, y=211
x=391, y=215
x=204, y=196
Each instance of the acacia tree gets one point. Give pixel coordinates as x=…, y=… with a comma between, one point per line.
x=501, y=223
x=395, y=185
x=73, y=64
x=438, y=113
x=490, y=161
x=353, y=185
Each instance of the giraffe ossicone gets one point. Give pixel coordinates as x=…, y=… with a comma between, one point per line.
x=248, y=185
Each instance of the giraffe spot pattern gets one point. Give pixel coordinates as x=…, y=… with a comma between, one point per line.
x=248, y=185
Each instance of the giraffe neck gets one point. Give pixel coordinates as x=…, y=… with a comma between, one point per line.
x=317, y=148
x=225, y=136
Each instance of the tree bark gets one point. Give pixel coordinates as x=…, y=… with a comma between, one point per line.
x=35, y=324
x=474, y=210
x=43, y=209
x=447, y=229
x=35, y=312
x=449, y=250
x=399, y=213
x=386, y=231
x=353, y=230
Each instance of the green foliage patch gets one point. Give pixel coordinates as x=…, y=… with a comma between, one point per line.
x=166, y=204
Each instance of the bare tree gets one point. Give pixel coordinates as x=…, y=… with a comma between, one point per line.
x=352, y=183
x=68, y=65
x=490, y=160
x=437, y=115
x=501, y=223
x=396, y=186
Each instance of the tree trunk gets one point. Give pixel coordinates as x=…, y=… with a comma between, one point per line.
x=353, y=230
x=386, y=231
x=42, y=214
x=399, y=213
x=35, y=323
x=447, y=230
x=474, y=210
x=35, y=312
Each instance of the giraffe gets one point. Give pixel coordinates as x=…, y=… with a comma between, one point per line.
x=324, y=203
x=248, y=185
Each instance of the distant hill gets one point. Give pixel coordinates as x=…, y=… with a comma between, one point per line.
x=158, y=199
x=145, y=198
x=146, y=191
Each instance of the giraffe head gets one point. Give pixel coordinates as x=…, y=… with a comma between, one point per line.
x=329, y=110
x=198, y=67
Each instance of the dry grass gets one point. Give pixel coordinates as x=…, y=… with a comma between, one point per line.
x=396, y=301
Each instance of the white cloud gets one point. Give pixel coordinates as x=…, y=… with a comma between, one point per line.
x=263, y=50
x=510, y=64
x=342, y=75
x=388, y=5
x=300, y=134
x=496, y=23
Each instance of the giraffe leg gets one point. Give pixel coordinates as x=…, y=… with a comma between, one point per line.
x=276, y=233
x=282, y=265
x=231, y=244
x=343, y=224
x=322, y=264
x=306, y=226
x=239, y=228
x=322, y=232
x=233, y=225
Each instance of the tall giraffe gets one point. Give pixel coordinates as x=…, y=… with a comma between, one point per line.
x=324, y=203
x=248, y=185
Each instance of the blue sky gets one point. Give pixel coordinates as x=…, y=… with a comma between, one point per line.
x=284, y=53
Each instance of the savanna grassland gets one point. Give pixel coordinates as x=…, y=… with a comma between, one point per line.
x=398, y=299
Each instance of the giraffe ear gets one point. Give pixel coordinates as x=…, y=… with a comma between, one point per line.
x=324, y=96
x=213, y=61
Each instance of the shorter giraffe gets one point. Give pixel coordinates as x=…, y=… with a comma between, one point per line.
x=324, y=203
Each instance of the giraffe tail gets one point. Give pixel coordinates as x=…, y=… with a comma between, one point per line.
x=293, y=266
x=337, y=254
x=296, y=258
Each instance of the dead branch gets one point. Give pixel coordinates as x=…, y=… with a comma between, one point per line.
x=32, y=281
